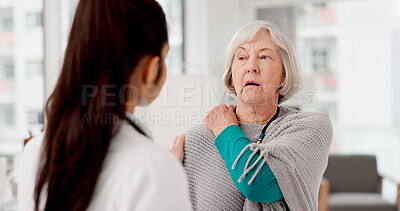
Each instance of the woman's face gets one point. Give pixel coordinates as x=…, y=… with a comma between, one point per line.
x=257, y=71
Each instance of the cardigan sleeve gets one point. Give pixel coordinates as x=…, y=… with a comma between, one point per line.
x=264, y=188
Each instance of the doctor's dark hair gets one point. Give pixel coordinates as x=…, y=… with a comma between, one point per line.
x=107, y=40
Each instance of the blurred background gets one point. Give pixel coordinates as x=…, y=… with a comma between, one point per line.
x=349, y=51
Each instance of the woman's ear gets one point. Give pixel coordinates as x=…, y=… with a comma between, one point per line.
x=231, y=79
x=282, y=80
x=151, y=70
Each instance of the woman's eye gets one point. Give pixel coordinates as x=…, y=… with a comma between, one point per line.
x=241, y=58
x=265, y=57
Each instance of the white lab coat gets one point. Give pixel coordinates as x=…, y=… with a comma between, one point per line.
x=136, y=175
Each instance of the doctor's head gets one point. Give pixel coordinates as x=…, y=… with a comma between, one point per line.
x=115, y=55
x=114, y=60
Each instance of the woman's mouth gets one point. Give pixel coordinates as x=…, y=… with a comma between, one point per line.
x=251, y=83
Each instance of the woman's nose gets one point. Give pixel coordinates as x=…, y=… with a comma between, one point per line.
x=252, y=66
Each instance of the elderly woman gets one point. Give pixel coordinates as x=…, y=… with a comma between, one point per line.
x=259, y=155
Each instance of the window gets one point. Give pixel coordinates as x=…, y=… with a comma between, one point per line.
x=35, y=117
x=320, y=60
x=34, y=68
x=9, y=70
x=21, y=55
x=7, y=113
x=6, y=68
x=34, y=19
x=173, y=11
x=8, y=24
x=6, y=19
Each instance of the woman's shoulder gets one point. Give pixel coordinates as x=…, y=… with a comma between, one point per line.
x=27, y=172
x=138, y=156
x=297, y=129
x=198, y=139
x=34, y=145
x=31, y=151
x=134, y=162
x=312, y=121
x=198, y=131
x=290, y=114
x=129, y=144
x=130, y=152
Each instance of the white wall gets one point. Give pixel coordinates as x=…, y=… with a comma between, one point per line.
x=209, y=26
x=365, y=65
x=53, y=36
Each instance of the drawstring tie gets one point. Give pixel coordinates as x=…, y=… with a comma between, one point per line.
x=254, y=148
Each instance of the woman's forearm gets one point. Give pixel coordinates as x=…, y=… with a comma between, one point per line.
x=264, y=188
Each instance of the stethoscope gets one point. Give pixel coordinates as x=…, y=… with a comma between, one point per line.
x=262, y=134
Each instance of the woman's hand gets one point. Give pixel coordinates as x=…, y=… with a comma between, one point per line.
x=176, y=147
x=219, y=118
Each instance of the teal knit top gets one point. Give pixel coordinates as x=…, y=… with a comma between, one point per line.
x=264, y=188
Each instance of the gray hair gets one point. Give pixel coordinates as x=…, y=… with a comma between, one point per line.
x=286, y=53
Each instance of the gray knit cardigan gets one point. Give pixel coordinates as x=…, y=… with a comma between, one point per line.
x=295, y=147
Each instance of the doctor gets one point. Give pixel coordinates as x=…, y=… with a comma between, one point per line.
x=93, y=155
